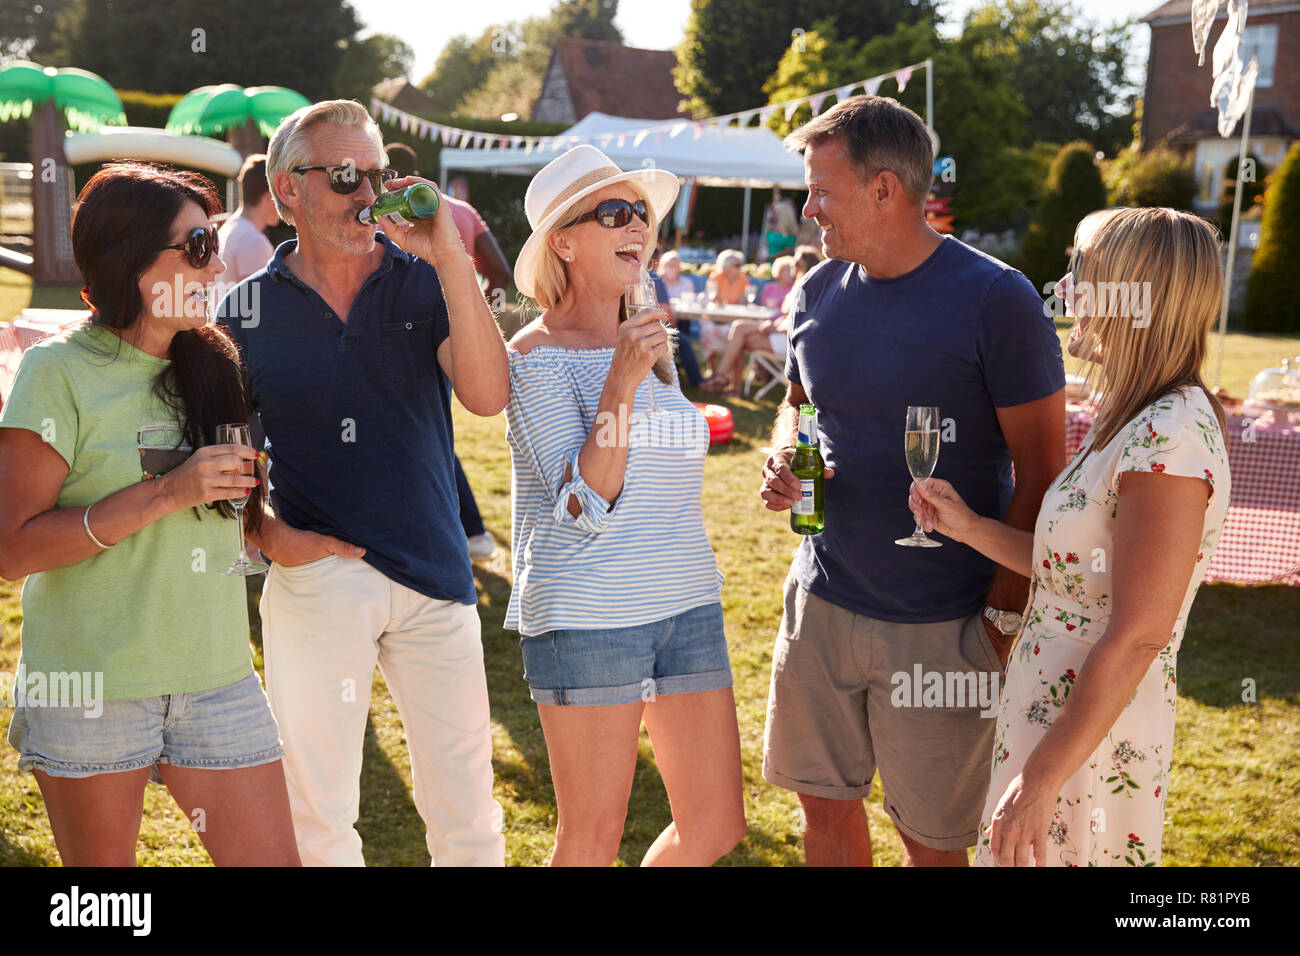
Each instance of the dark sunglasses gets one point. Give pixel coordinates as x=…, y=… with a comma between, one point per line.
x=200, y=246
x=347, y=179
x=615, y=213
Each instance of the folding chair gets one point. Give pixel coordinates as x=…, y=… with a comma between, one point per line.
x=771, y=363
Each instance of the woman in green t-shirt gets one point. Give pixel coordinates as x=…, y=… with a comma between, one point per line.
x=135, y=655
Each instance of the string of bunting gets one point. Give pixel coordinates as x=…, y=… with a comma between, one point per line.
x=477, y=139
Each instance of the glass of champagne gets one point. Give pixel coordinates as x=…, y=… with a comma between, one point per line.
x=238, y=434
x=639, y=296
x=921, y=445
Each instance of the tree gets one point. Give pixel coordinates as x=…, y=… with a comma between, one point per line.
x=502, y=71
x=29, y=30
x=731, y=47
x=1074, y=189
x=1270, y=290
x=1252, y=192
x=462, y=66
x=977, y=115
x=135, y=45
x=366, y=62
x=1158, y=177
x=1070, y=74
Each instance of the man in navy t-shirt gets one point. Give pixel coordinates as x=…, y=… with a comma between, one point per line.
x=352, y=343
x=888, y=656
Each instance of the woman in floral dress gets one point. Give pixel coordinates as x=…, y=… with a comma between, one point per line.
x=1085, y=728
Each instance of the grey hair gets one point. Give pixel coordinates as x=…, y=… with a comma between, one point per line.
x=290, y=145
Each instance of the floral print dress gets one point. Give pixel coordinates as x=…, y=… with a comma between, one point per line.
x=1110, y=812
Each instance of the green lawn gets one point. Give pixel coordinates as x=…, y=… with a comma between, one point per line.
x=1234, y=796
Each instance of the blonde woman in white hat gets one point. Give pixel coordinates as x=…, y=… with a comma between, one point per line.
x=616, y=594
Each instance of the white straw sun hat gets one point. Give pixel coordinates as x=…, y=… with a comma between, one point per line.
x=565, y=181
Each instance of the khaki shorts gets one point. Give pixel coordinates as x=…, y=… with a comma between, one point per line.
x=850, y=694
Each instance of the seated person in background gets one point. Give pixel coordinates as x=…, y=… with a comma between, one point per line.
x=774, y=293
x=685, y=354
x=670, y=270
x=761, y=335
x=728, y=283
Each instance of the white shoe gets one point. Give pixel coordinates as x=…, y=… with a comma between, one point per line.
x=482, y=546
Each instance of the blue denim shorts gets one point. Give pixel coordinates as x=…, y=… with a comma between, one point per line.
x=683, y=654
x=226, y=728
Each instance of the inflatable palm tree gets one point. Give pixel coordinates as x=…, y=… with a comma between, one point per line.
x=55, y=100
x=245, y=115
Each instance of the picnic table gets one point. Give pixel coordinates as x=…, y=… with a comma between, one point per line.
x=1260, y=542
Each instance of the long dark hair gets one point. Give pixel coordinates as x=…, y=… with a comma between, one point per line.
x=124, y=219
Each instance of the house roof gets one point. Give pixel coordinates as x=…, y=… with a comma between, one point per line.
x=607, y=77
x=1182, y=9
x=406, y=96
x=1264, y=121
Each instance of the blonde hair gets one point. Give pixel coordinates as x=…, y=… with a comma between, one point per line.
x=1169, y=259
x=551, y=276
x=783, y=262
x=726, y=257
x=672, y=255
x=290, y=144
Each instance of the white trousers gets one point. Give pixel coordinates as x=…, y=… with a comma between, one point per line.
x=325, y=625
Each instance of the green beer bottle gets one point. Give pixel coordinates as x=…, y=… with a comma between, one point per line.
x=402, y=206
x=808, y=515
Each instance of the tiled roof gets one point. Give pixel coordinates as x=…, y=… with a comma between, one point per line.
x=405, y=95
x=620, y=80
x=1183, y=9
x=1264, y=121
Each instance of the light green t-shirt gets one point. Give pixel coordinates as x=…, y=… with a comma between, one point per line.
x=153, y=613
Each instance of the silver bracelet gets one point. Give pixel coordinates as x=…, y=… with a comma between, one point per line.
x=85, y=523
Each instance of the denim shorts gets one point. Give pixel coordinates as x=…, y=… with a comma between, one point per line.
x=683, y=654
x=226, y=728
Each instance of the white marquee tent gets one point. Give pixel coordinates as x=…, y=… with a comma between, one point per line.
x=729, y=156
x=715, y=157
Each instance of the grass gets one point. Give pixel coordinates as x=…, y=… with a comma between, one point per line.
x=1234, y=796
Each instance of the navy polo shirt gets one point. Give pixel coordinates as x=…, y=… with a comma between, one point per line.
x=962, y=331
x=358, y=414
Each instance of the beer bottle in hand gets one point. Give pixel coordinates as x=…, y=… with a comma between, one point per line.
x=402, y=206
x=808, y=516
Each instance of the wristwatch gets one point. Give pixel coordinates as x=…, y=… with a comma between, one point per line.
x=1007, y=622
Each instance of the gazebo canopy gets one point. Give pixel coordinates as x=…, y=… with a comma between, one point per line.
x=715, y=157
x=87, y=101
x=217, y=109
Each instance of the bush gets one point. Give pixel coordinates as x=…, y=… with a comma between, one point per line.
x=148, y=109
x=1252, y=193
x=1074, y=189
x=1271, y=301
x=1159, y=177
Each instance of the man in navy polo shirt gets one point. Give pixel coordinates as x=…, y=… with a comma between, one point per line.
x=351, y=352
x=900, y=316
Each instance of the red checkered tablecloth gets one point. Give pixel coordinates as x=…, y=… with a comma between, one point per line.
x=1261, y=535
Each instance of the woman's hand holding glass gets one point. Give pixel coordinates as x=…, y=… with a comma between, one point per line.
x=211, y=474
x=642, y=340
x=937, y=507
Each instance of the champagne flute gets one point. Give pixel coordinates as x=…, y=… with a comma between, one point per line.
x=238, y=434
x=921, y=446
x=637, y=297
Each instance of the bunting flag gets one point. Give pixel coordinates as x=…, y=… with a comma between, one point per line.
x=477, y=139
